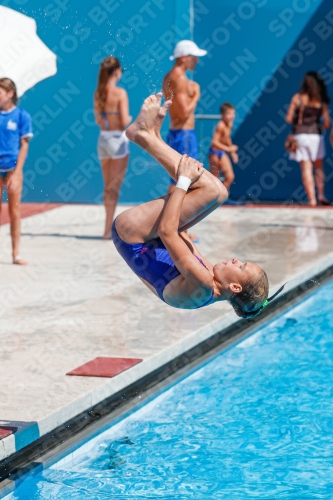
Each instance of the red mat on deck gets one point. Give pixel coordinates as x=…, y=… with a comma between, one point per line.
x=105, y=367
x=6, y=431
x=27, y=209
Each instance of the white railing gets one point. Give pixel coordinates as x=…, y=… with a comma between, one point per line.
x=207, y=117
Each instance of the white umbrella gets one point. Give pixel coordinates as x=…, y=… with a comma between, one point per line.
x=24, y=58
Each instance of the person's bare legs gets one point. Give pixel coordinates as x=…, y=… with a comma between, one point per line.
x=227, y=170
x=140, y=224
x=144, y=132
x=319, y=174
x=113, y=174
x=308, y=181
x=214, y=165
x=1, y=193
x=14, y=210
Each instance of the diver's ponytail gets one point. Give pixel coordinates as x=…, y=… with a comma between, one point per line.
x=249, y=302
x=252, y=314
x=248, y=315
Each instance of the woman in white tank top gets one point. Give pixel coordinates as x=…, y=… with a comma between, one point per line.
x=112, y=115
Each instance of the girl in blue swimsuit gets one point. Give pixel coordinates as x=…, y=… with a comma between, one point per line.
x=151, y=239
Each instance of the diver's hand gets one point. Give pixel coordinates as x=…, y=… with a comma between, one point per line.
x=191, y=168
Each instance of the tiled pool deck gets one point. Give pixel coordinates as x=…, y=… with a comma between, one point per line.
x=78, y=300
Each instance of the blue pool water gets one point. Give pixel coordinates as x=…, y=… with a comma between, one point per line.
x=256, y=422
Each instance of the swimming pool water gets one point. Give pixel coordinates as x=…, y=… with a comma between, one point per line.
x=256, y=422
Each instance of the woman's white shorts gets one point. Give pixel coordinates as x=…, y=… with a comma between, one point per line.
x=112, y=144
x=309, y=147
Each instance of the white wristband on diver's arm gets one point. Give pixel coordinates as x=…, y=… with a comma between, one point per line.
x=183, y=182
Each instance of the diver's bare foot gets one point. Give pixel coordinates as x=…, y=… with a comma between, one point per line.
x=19, y=261
x=160, y=117
x=145, y=121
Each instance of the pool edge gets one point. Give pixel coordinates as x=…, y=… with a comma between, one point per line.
x=35, y=455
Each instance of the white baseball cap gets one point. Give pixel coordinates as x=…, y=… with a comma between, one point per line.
x=187, y=48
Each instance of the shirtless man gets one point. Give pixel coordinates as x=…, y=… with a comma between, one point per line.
x=221, y=144
x=185, y=95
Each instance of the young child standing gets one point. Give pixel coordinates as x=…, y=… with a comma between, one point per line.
x=15, y=132
x=219, y=162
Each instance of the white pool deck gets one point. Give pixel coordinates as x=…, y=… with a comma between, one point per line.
x=78, y=300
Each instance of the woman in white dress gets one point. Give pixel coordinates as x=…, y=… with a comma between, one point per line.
x=112, y=115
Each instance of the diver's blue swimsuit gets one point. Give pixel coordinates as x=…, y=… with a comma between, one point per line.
x=151, y=261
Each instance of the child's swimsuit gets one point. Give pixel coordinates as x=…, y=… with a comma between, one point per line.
x=217, y=152
x=151, y=261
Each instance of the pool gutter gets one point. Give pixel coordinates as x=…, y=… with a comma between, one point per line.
x=37, y=455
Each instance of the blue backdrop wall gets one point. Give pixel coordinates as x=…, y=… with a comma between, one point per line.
x=258, y=51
